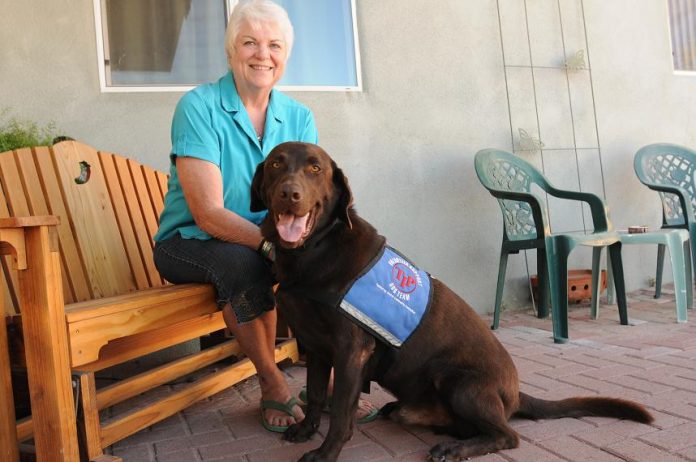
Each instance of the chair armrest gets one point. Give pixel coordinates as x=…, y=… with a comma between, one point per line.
x=541, y=221
x=598, y=208
x=683, y=195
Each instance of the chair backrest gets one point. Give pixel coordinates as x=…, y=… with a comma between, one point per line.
x=502, y=171
x=108, y=207
x=665, y=164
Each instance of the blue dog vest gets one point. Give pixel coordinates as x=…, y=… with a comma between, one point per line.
x=390, y=298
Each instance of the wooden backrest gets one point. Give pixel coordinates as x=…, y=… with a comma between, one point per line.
x=108, y=215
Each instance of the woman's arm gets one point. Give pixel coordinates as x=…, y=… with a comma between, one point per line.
x=201, y=182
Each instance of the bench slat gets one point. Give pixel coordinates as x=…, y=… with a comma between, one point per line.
x=9, y=274
x=34, y=194
x=12, y=185
x=37, y=201
x=140, y=383
x=16, y=206
x=142, y=196
x=110, y=305
x=142, y=237
x=155, y=193
x=202, y=388
x=93, y=220
x=163, y=180
x=124, y=221
x=75, y=286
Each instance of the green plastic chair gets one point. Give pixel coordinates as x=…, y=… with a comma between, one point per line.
x=526, y=226
x=670, y=170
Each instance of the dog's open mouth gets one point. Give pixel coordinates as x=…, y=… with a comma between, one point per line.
x=294, y=229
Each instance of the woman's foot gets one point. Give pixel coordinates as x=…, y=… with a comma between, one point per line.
x=367, y=412
x=285, y=411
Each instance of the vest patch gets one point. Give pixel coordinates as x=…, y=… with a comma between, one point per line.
x=390, y=298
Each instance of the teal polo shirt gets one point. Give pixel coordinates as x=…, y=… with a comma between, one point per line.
x=211, y=123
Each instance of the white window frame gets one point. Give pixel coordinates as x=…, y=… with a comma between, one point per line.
x=671, y=46
x=101, y=46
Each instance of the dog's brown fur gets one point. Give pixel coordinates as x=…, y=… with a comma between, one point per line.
x=452, y=374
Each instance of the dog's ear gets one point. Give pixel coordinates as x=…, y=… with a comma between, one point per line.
x=345, y=195
x=258, y=199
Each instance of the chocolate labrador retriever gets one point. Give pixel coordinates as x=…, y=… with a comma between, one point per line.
x=451, y=373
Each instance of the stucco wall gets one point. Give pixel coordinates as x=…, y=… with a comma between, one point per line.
x=434, y=94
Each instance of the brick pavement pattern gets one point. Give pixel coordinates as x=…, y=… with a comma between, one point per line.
x=652, y=361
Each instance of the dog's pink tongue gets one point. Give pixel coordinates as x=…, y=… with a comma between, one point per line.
x=291, y=227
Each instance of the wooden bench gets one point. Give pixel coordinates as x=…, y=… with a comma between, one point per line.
x=76, y=229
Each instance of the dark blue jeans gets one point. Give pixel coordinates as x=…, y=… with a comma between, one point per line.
x=241, y=277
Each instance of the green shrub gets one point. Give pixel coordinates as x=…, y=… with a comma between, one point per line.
x=18, y=133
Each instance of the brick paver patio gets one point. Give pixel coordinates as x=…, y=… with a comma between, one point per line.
x=652, y=361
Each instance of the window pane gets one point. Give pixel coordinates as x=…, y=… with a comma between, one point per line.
x=181, y=43
x=165, y=42
x=324, y=50
x=682, y=19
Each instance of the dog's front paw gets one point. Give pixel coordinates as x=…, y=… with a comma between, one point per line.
x=299, y=433
x=448, y=451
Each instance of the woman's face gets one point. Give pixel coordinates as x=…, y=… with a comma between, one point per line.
x=259, y=56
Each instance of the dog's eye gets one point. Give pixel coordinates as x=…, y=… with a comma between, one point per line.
x=275, y=164
x=315, y=169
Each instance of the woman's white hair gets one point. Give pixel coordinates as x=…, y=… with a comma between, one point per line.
x=255, y=12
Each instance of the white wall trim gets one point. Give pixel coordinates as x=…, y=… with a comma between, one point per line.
x=100, y=45
x=101, y=63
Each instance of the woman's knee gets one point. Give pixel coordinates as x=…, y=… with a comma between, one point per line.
x=242, y=278
x=235, y=317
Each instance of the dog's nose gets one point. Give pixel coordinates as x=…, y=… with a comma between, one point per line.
x=291, y=192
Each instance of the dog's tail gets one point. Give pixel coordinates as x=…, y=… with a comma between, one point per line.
x=535, y=408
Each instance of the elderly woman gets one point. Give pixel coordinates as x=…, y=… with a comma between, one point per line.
x=220, y=132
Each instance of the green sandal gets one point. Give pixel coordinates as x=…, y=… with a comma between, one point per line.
x=278, y=406
x=374, y=413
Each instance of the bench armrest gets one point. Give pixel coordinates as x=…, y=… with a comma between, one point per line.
x=12, y=239
x=27, y=222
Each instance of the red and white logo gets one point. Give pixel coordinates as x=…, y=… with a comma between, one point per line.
x=404, y=278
